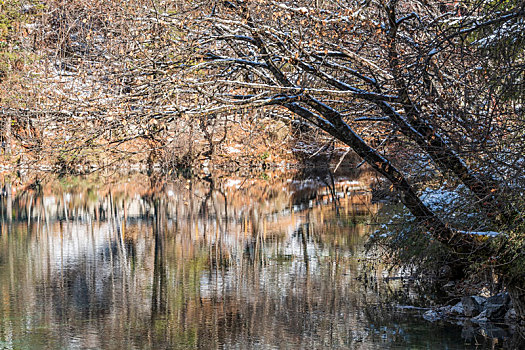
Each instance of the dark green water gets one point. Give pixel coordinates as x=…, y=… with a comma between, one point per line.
x=231, y=263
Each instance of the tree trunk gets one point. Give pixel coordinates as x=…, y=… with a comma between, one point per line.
x=331, y=121
x=415, y=127
x=429, y=220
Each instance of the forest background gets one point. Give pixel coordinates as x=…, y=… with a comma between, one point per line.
x=429, y=94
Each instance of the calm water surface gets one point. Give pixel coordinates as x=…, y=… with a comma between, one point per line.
x=233, y=263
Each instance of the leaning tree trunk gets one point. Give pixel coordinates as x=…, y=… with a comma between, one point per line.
x=342, y=131
x=331, y=121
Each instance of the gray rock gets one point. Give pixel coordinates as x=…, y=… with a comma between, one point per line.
x=482, y=317
x=457, y=309
x=495, y=311
x=497, y=306
x=511, y=315
x=431, y=315
x=445, y=310
x=479, y=299
x=501, y=298
x=472, y=305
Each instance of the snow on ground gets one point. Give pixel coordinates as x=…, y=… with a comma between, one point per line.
x=442, y=197
x=233, y=149
x=480, y=233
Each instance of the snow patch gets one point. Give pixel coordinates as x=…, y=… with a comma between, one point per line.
x=232, y=149
x=481, y=233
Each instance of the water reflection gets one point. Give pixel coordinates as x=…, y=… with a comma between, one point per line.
x=150, y=263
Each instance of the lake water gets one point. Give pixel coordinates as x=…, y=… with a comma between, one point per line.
x=138, y=262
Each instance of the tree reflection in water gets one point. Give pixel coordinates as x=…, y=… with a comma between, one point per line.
x=185, y=263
